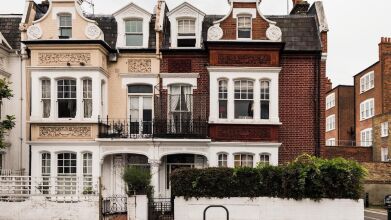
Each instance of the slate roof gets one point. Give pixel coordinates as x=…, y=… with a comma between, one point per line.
x=108, y=25
x=9, y=27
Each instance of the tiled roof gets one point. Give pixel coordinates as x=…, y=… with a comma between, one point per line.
x=108, y=25
x=9, y=27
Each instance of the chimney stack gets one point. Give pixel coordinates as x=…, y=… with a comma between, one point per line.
x=300, y=7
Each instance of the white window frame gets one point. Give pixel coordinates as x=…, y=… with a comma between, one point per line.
x=366, y=137
x=87, y=96
x=330, y=123
x=69, y=98
x=60, y=15
x=367, y=109
x=46, y=158
x=244, y=159
x=70, y=173
x=246, y=26
x=223, y=96
x=222, y=160
x=330, y=142
x=367, y=82
x=264, y=158
x=385, y=154
x=265, y=96
x=330, y=101
x=243, y=92
x=384, y=129
x=134, y=33
x=46, y=97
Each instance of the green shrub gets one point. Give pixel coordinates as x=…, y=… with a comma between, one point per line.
x=306, y=177
x=138, y=180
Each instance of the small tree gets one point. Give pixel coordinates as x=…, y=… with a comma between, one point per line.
x=138, y=180
x=9, y=122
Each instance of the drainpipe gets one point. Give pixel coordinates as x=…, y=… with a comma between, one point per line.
x=317, y=105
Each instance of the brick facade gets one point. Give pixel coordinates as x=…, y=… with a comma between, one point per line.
x=380, y=142
x=360, y=154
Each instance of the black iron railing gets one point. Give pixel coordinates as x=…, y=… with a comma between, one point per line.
x=158, y=128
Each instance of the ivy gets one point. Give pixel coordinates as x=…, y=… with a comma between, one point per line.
x=9, y=122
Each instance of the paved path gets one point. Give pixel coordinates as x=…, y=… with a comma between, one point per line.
x=375, y=214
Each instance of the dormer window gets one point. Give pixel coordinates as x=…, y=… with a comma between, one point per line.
x=244, y=26
x=186, y=33
x=134, y=32
x=65, y=26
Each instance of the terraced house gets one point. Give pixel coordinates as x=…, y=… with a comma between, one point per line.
x=169, y=89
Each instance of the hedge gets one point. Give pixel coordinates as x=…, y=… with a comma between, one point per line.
x=306, y=177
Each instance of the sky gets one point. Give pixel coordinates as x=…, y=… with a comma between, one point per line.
x=355, y=27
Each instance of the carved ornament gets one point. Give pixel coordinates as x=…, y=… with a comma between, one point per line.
x=139, y=66
x=34, y=32
x=65, y=131
x=244, y=59
x=215, y=33
x=64, y=58
x=92, y=31
x=274, y=33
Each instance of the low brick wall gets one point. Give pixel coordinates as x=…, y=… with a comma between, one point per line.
x=378, y=182
x=360, y=154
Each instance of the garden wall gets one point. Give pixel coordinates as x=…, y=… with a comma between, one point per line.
x=269, y=208
x=40, y=208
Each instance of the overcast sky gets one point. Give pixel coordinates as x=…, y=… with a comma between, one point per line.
x=355, y=27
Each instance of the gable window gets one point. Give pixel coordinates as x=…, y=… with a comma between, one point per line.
x=243, y=160
x=223, y=99
x=87, y=98
x=367, y=109
x=367, y=82
x=223, y=158
x=330, y=123
x=134, y=32
x=265, y=99
x=264, y=159
x=384, y=129
x=244, y=26
x=186, y=32
x=366, y=137
x=244, y=99
x=66, y=98
x=65, y=26
x=330, y=101
x=45, y=98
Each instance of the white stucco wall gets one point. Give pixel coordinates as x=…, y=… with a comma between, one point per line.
x=270, y=208
x=138, y=208
x=38, y=208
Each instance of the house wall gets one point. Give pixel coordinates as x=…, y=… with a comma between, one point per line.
x=269, y=208
x=333, y=111
x=346, y=116
x=360, y=154
x=380, y=142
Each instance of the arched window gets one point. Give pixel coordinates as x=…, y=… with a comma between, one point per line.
x=223, y=160
x=244, y=99
x=264, y=159
x=45, y=97
x=265, y=99
x=243, y=160
x=65, y=26
x=134, y=32
x=223, y=99
x=66, y=98
x=244, y=26
x=87, y=98
x=45, y=164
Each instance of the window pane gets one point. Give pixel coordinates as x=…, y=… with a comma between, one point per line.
x=223, y=107
x=134, y=26
x=244, y=109
x=134, y=39
x=264, y=109
x=140, y=89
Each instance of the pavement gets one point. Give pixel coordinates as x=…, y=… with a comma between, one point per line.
x=375, y=214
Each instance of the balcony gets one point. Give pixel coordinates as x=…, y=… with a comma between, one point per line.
x=158, y=128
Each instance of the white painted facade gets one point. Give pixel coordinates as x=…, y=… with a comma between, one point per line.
x=269, y=208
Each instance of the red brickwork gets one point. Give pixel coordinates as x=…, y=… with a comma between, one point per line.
x=385, y=62
x=360, y=154
x=245, y=133
x=259, y=25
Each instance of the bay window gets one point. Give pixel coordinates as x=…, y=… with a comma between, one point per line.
x=66, y=98
x=265, y=99
x=223, y=99
x=244, y=26
x=87, y=98
x=134, y=32
x=222, y=160
x=45, y=98
x=186, y=32
x=243, y=160
x=244, y=99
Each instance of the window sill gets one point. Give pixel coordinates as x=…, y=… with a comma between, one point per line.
x=364, y=119
x=361, y=92
x=246, y=122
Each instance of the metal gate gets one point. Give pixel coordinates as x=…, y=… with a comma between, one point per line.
x=161, y=209
x=114, y=207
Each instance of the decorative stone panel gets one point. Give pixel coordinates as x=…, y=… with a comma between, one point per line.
x=139, y=66
x=64, y=58
x=61, y=132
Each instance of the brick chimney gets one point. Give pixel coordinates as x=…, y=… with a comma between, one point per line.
x=385, y=64
x=300, y=7
x=329, y=84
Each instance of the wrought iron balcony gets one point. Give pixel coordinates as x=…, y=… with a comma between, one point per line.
x=158, y=128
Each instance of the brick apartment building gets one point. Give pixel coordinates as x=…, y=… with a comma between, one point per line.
x=372, y=107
